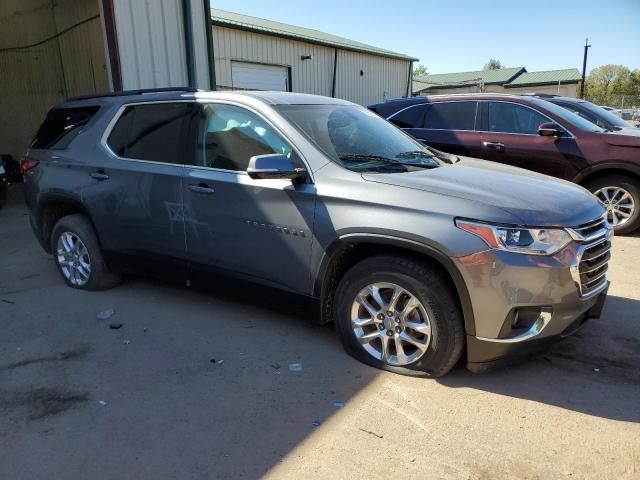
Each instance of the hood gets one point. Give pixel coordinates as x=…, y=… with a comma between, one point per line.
x=536, y=200
x=626, y=137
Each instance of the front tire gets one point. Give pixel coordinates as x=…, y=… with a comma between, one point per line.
x=78, y=256
x=621, y=195
x=399, y=314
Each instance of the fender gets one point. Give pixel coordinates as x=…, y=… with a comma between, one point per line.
x=52, y=197
x=602, y=167
x=422, y=248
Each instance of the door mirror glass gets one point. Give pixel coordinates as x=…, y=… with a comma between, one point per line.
x=275, y=166
x=550, y=129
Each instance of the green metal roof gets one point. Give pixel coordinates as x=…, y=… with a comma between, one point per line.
x=549, y=77
x=261, y=25
x=452, y=80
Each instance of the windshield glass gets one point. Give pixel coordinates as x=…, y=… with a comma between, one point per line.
x=608, y=117
x=567, y=115
x=358, y=139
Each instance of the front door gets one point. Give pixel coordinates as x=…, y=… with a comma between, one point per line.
x=510, y=136
x=260, y=229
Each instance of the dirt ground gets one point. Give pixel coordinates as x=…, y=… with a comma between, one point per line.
x=197, y=385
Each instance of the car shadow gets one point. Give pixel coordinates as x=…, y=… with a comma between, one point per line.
x=577, y=373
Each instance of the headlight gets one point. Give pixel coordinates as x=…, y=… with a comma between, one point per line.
x=534, y=241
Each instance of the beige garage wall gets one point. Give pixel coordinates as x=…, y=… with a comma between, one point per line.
x=48, y=51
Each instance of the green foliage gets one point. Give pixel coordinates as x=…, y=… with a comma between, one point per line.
x=606, y=85
x=493, y=64
x=420, y=70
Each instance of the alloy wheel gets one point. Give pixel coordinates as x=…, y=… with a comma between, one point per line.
x=73, y=258
x=390, y=323
x=619, y=203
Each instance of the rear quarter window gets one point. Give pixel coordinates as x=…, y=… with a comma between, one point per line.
x=411, y=117
x=62, y=126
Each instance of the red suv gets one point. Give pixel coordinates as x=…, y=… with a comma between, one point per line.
x=531, y=133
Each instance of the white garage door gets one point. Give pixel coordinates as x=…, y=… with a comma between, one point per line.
x=254, y=76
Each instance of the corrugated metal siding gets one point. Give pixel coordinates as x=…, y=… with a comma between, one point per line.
x=150, y=43
x=308, y=76
x=383, y=77
x=200, y=53
x=33, y=79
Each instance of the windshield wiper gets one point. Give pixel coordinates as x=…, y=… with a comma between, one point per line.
x=361, y=156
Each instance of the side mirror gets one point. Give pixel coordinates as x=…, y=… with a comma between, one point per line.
x=275, y=165
x=550, y=129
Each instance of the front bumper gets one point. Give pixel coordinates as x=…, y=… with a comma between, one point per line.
x=484, y=354
x=505, y=286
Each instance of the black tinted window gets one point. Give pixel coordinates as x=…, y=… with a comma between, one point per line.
x=451, y=116
x=61, y=126
x=512, y=118
x=411, y=117
x=229, y=136
x=151, y=132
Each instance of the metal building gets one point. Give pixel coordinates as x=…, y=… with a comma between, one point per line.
x=54, y=49
x=253, y=53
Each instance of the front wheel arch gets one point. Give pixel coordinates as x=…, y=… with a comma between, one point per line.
x=349, y=250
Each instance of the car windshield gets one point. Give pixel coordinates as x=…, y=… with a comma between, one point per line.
x=569, y=116
x=359, y=139
x=609, y=117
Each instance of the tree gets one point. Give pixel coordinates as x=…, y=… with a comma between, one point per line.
x=420, y=70
x=493, y=64
x=607, y=84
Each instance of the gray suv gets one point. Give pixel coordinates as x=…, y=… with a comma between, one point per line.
x=417, y=256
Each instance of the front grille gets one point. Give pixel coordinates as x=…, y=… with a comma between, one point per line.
x=593, y=265
x=587, y=229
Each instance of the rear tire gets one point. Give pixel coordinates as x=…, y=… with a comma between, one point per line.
x=429, y=328
x=629, y=192
x=78, y=256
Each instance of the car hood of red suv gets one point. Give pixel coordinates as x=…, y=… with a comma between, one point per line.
x=534, y=199
x=627, y=137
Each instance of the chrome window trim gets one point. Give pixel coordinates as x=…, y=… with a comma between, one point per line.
x=121, y=109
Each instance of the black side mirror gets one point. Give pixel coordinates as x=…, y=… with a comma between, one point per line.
x=275, y=165
x=550, y=129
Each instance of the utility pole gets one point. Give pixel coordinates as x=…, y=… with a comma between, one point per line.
x=584, y=67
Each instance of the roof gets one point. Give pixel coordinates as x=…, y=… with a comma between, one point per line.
x=548, y=77
x=498, y=76
x=269, y=27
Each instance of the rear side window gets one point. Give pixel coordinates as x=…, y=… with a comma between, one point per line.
x=151, y=132
x=451, y=116
x=411, y=117
x=61, y=126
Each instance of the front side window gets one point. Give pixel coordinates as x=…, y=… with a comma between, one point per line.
x=153, y=131
x=228, y=136
x=358, y=139
x=512, y=118
x=451, y=116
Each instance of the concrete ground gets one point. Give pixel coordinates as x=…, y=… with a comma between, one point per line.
x=189, y=387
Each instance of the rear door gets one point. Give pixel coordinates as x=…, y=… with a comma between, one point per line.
x=447, y=126
x=510, y=135
x=136, y=196
x=260, y=229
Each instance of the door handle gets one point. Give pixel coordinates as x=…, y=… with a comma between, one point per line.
x=99, y=175
x=494, y=146
x=201, y=188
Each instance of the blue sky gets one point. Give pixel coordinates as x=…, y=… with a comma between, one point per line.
x=461, y=35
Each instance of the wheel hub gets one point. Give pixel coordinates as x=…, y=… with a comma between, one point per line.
x=619, y=203
x=390, y=323
x=73, y=259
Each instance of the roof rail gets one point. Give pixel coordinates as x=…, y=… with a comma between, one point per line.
x=140, y=91
x=541, y=95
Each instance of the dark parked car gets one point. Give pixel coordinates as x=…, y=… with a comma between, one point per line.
x=603, y=118
x=3, y=185
x=416, y=256
x=531, y=133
